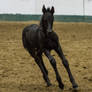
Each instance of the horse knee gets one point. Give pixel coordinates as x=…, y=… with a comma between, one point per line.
x=53, y=62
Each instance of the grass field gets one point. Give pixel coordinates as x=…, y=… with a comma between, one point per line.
x=18, y=71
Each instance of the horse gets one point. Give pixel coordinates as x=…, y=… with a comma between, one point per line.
x=39, y=39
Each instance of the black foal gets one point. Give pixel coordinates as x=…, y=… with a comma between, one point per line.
x=38, y=39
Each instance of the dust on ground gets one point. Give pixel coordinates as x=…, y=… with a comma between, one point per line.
x=18, y=71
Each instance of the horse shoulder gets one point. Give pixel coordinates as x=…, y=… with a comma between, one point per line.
x=53, y=36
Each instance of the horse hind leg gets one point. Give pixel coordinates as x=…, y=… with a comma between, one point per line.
x=39, y=61
x=43, y=69
x=40, y=54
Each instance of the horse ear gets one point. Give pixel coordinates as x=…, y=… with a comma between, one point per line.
x=52, y=10
x=43, y=9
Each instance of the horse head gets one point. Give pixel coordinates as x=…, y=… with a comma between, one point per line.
x=47, y=19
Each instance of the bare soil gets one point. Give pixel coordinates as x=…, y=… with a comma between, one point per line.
x=19, y=72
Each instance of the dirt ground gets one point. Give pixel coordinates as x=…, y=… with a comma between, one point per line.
x=19, y=73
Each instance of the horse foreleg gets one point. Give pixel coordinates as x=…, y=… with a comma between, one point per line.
x=53, y=63
x=66, y=65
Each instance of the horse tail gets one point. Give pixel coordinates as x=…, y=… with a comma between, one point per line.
x=24, y=40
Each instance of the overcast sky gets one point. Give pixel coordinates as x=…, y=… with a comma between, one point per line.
x=74, y=7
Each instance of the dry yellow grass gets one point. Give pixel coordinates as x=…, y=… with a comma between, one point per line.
x=18, y=71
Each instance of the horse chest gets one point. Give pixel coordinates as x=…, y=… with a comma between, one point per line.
x=52, y=41
x=51, y=44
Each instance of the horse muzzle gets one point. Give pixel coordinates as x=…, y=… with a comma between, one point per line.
x=49, y=30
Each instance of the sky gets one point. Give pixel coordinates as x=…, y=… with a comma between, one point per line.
x=17, y=6
x=64, y=7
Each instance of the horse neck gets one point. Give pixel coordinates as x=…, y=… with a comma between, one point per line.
x=42, y=27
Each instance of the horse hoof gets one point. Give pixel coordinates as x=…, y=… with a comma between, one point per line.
x=48, y=85
x=75, y=86
x=61, y=86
